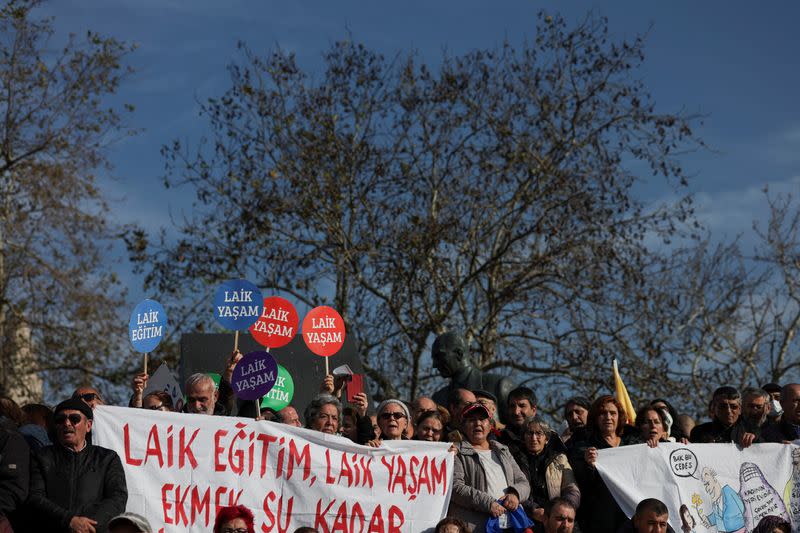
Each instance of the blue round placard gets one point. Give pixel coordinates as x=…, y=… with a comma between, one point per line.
x=147, y=326
x=237, y=304
x=254, y=375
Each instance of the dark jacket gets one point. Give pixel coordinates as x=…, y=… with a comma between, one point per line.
x=713, y=431
x=511, y=438
x=780, y=432
x=549, y=475
x=14, y=471
x=65, y=484
x=598, y=511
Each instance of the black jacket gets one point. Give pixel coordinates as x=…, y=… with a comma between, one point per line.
x=14, y=472
x=598, y=511
x=780, y=432
x=713, y=431
x=65, y=484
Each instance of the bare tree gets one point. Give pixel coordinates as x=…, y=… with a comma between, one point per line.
x=58, y=300
x=493, y=195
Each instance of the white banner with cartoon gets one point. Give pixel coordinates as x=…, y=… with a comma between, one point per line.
x=707, y=487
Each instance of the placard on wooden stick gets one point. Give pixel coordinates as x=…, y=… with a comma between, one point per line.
x=324, y=332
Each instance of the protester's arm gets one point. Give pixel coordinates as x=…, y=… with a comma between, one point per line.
x=115, y=492
x=225, y=394
x=364, y=429
x=38, y=502
x=138, y=384
x=14, y=472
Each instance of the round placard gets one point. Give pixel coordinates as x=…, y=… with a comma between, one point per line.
x=282, y=393
x=254, y=375
x=147, y=326
x=237, y=304
x=323, y=331
x=277, y=324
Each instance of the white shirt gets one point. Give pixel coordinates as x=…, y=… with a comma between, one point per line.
x=495, y=477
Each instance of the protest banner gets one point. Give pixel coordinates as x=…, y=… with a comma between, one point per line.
x=180, y=468
x=163, y=380
x=281, y=394
x=147, y=327
x=323, y=332
x=277, y=324
x=237, y=305
x=707, y=487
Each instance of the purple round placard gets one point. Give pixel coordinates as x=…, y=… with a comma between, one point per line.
x=254, y=375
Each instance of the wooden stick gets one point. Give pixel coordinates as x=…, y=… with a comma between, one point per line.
x=258, y=408
x=327, y=368
x=236, y=340
x=145, y=362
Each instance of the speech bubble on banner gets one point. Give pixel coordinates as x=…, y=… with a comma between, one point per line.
x=323, y=331
x=282, y=393
x=277, y=324
x=683, y=462
x=147, y=326
x=237, y=304
x=254, y=375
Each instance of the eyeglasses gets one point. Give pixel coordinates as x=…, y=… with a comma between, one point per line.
x=74, y=418
x=159, y=407
x=396, y=416
x=233, y=530
x=90, y=396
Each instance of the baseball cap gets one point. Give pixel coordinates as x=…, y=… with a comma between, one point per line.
x=473, y=409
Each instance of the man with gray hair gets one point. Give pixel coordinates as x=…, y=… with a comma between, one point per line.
x=202, y=395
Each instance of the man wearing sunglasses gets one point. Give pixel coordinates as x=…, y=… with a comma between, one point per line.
x=89, y=395
x=75, y=486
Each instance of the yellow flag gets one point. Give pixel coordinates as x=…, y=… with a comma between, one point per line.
x=622, y=395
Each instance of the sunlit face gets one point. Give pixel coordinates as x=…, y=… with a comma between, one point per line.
x=560, y=520
x=727, y=411
x=535, y=439
x=429, y=429
x=476, y=429
x=327, y=419
x=650, y=522
x=608, y=419
x=392, y=421
x=651, y=425
x=201, y=397
x=290, y=417
x=576, y=416
x=520, y=409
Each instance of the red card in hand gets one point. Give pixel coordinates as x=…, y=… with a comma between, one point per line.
x=354, y=386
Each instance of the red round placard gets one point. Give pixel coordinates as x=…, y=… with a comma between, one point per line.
x=323, y=331
x=277, y=324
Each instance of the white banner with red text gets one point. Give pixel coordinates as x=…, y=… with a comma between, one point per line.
x=181, y=468
x=707, y=487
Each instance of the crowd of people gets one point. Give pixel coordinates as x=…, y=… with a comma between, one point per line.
x=512, y=469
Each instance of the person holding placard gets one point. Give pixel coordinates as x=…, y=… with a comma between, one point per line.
x=393, y=419
x=202, y=395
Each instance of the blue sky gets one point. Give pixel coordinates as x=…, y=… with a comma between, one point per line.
x=732, y=61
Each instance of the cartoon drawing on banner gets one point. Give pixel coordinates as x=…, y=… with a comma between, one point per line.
x=791, y=494
x=760, y=499
x=727, y=507
x=688, y=522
